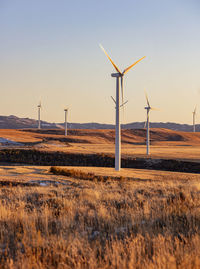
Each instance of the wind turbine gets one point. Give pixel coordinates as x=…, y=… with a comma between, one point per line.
x=148, y=108
x=39, y=110
x=194, y=116
x=66, y=112
x=118, y=75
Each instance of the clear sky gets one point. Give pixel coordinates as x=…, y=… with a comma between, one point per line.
x=50, y=50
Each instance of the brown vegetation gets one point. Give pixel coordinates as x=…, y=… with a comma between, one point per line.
x=112, y=224
x=36, y=157
x=74, y=173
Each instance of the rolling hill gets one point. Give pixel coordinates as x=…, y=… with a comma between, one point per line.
x=13, y=122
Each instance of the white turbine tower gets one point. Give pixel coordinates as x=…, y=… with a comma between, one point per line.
x=39, y=110
x=66, y=112
x=194, y=117
x=148, y=108
x=118, y=75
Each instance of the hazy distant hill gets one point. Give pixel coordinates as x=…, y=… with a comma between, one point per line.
x=13, y=122
x=134, y=125
x=166, y=125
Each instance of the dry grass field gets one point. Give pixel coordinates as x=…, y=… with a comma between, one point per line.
x=164, y=143
x=97, y=217
x=146, y=219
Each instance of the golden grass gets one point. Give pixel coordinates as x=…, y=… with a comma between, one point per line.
x=129, y=173
x=165, y=143
x=78, y=174
x=152, y=223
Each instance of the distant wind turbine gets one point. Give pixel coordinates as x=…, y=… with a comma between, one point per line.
x=148, y=108
x=66, y=112
x=118, y=75
x=39, y=112
x=194, y=117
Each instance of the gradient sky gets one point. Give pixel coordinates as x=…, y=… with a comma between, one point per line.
x=50, y=50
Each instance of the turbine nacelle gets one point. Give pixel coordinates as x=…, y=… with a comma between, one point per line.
x=147, y=107
x=116, y=75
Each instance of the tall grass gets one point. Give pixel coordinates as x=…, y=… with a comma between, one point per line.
x=112, y=224
x=78, y=174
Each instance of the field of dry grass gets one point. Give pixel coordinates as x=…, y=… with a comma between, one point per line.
x=89, y=217
x=165, y=143
x=149, y=219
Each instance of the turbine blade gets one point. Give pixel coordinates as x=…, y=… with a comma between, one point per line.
x=195, y=110
x=113, y=99
x=116, y=68
x=40, y=103
x=147, y=98
x=153, y=108
x=128, y=68
x=122, y=89
x=145, y=124
x=124, y=103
